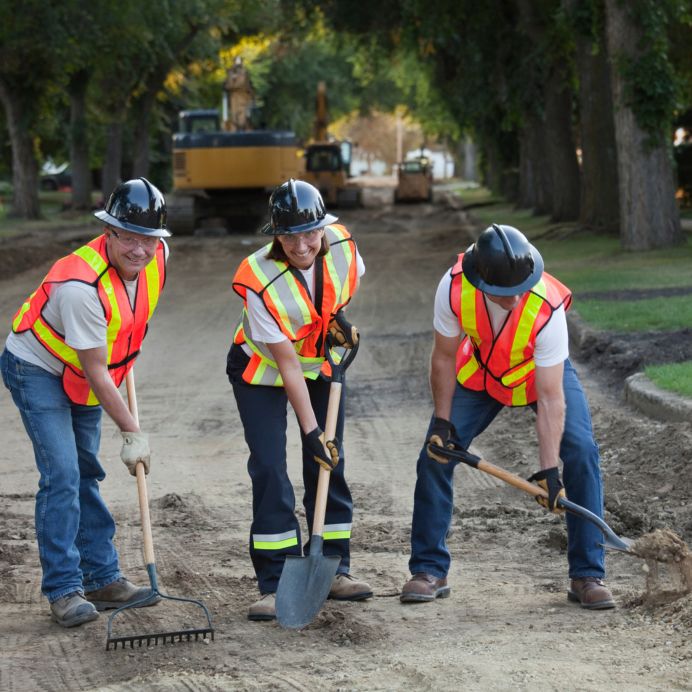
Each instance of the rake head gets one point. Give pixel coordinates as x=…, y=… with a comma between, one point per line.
x=155, y=638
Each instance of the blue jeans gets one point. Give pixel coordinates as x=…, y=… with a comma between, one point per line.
x=472, y=412
x=74, y=528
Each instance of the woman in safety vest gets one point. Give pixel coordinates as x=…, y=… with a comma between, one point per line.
x=501, y=340
x=293, y=291
x=72, y=343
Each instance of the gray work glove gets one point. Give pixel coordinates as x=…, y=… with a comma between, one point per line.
x=135, y=449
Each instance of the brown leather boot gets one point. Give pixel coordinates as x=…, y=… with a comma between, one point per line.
x=347, y=588
x=263, y=609
x=424, y=587
x=591, y=593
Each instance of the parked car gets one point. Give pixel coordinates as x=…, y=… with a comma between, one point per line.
x=55, y=177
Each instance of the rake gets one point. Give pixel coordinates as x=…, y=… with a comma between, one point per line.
x=154, y=637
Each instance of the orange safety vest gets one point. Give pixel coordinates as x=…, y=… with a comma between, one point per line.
x=302, y=319
x=502, y=364
x=126, y=327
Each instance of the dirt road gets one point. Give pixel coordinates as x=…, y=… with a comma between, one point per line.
x=507, y=624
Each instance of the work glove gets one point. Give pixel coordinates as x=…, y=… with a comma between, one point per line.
x=316, y=446
x=442, y=434
x=549, y=480
x=343, y=333
x=135, y=449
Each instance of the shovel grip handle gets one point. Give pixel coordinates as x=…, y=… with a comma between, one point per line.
x=142, y=494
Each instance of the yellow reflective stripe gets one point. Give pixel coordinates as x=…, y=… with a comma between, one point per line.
x=91, y=399
x=468, y=309
x=293, y=287
x=338, y=284
x=22, y=312
x=113, y=327
x=509, y=378
x=67, y=354
x=335, y=535
x=92, y=258
x=519, y=397
x=274, y=541
x=264, y=280
x=153, y=279
x=524, y=328
x=468, y=369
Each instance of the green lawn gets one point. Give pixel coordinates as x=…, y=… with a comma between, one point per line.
x=589, y=263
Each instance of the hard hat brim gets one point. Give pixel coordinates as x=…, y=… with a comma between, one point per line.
x=328, y=219
x=468, y=266
x=110, y=220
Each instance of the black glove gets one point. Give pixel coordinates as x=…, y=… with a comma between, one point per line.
x=442, y=434
x=549, y=480
x=316, y=446
x=343, y=333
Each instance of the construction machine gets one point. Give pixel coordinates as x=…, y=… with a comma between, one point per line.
x=328, y=162
x=414, y=181
x=224, y=167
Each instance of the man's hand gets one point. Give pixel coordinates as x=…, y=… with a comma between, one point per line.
x=343, y=333
x=135, y=449
x=316, y=446
x=549, y=480
x=441, y=434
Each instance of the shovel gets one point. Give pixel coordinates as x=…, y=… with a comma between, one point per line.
x=610, y=538
x=305, y=581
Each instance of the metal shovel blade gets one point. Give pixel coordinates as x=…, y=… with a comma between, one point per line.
x=304, y=586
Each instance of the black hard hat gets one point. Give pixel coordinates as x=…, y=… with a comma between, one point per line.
x=502, y=262
x=136, y=206
x=296, y=207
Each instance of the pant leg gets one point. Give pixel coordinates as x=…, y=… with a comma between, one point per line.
x=339, y=511
x=582, y=478
x=47, y=416
x=433, y=500
x=275, y=531
x=99, y=558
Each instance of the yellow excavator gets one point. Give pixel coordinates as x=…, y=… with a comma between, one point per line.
x=328, y=162
x=224, y=168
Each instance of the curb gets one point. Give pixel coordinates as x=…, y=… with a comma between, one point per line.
x=640, y=391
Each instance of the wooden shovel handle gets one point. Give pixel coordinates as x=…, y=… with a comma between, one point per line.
x=323, y=478
x=141, y=477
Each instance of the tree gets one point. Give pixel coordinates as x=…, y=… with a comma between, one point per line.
x=643, y=95
x=30, y=40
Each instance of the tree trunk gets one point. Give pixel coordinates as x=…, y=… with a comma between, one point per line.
x=25, y=203
x=142, y=111
x=649, y=217
x=562, y=155
x=112, y=165
x=599, y=208
x=79, y=143
x=535, y=179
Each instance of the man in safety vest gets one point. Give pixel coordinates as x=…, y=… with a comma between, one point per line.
x=501, y=340
x=72, y=343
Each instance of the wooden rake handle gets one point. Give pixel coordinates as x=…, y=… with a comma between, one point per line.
x=141, y=477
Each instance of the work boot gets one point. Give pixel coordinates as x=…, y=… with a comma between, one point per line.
x=119, y=593
x=424, y=587
x=264, y=609
x=591, y=593
x=346, y=587
x=72, y=610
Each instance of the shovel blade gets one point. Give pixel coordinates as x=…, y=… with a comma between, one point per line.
x=303, y=588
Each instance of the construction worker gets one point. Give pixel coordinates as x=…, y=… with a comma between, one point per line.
x=71, y=345
x=294, y=290
x=501, y=340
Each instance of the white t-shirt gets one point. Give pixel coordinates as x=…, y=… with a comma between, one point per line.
x=73, y=309
x=263, y=327
x=552, y=342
